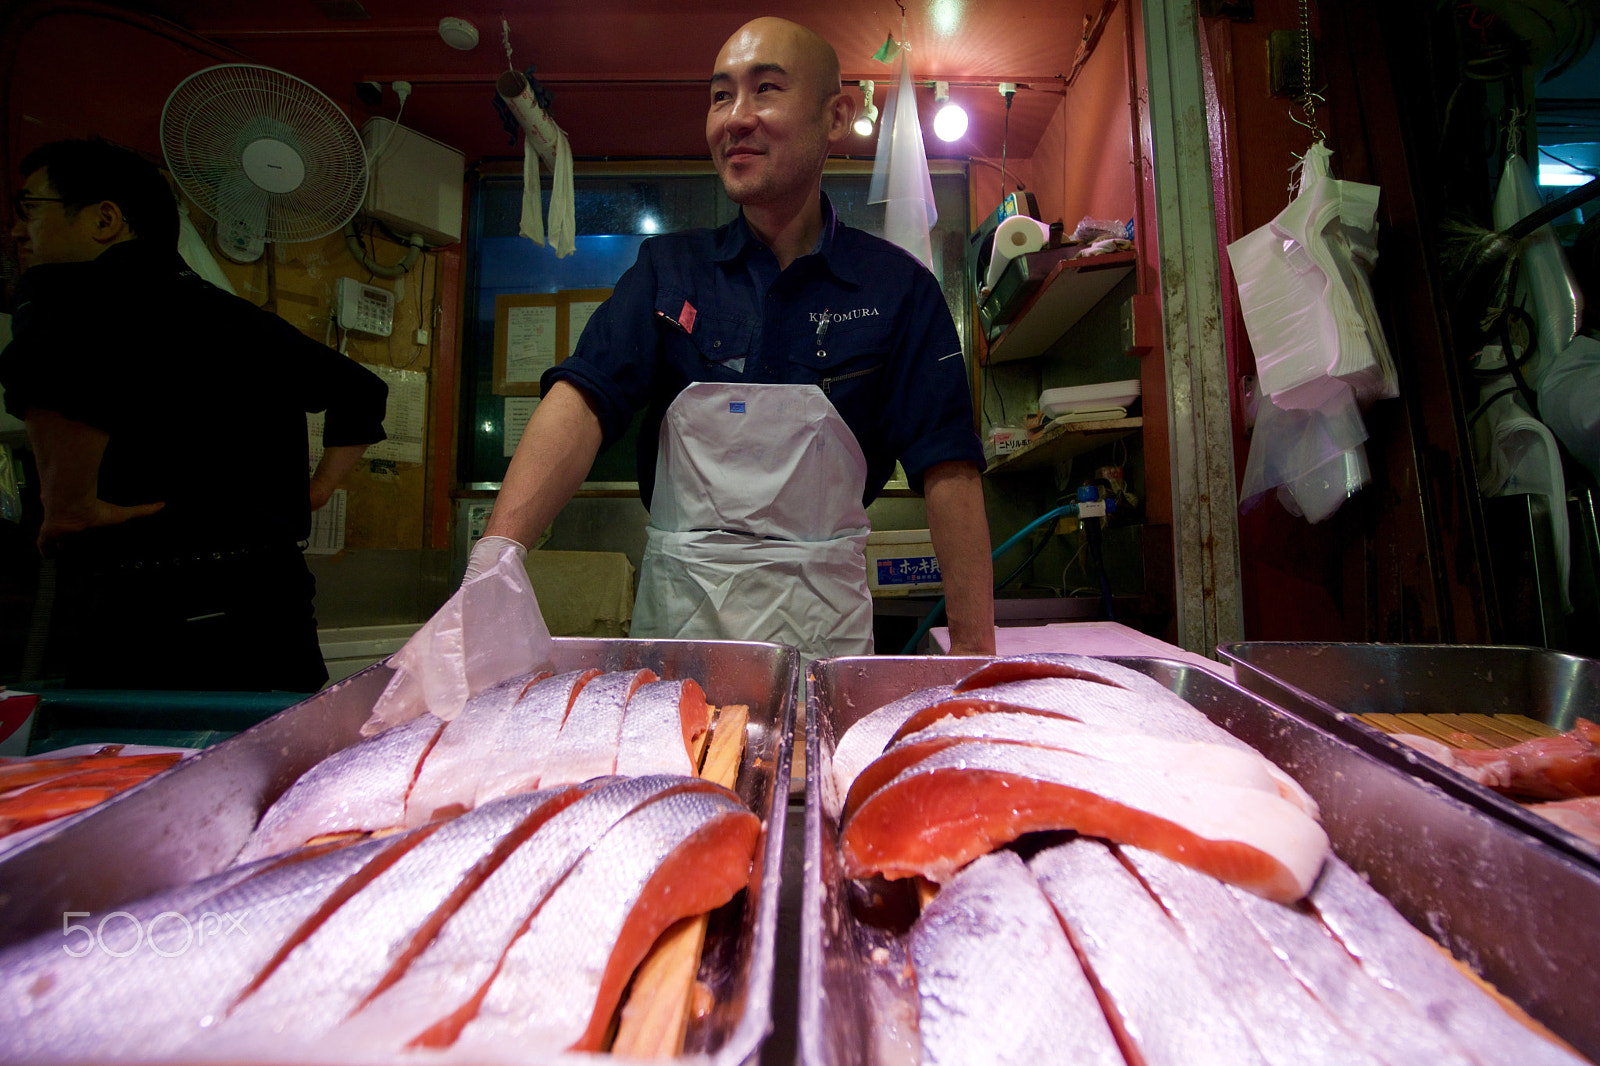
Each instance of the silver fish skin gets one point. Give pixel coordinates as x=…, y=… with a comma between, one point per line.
x=546, y=989
x=180, y=979
x=449, y=775
x=1063, y=664
x=1376, y=1018
x=467, y=949
x=652, y=732
x=1117, y=801
x=515, y=759
x=1210, y=762
x=1109, y=707
x=587, y=744
x=865, y=740
x=1288, y=1025
x=997, y=979
x=1156, y=712
x=545, y=992
x=1400, y=957
x=1164, y=1003
x=323, y=981
x=362, y=787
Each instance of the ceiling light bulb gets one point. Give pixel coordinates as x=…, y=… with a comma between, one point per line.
x=869, y=113
x=949, y=121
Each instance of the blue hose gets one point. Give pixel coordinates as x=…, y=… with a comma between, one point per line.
x=1066, y=510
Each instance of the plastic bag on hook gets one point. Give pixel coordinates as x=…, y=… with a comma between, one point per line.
x=1314, y=457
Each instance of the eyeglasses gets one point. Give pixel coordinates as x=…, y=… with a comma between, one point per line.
x=23, y=204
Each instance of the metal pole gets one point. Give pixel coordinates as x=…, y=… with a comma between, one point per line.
x=1205, y=515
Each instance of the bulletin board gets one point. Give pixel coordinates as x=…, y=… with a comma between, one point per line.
x=535, y=331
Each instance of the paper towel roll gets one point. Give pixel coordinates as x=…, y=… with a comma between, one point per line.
x=1015, y=236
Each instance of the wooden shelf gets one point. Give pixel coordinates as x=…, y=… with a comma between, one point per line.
x=1063, y=440
x=1071, y=288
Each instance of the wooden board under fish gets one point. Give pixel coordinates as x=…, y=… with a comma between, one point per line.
x=655, y=1017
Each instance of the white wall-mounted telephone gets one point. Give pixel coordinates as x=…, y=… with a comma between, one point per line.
x=365, y=308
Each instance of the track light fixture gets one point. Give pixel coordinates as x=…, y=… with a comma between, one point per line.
x=949, y=120
x=869, y=113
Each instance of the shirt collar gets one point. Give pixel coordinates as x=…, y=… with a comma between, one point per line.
x=736, y=239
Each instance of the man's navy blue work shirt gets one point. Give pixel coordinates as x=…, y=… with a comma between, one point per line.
x=858, y=317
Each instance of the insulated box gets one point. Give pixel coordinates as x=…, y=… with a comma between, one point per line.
x=901, y=561
x=1518, y=910
x=417, y=185
x=1328, y=685
x=192, y=820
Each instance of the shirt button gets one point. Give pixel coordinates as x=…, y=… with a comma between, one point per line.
x=716, y=344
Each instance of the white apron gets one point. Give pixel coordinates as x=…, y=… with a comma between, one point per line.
x=756, y=530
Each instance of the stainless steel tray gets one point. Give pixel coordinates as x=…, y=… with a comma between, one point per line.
x=1516, y=909
x=192, y=820
x=1329, y=684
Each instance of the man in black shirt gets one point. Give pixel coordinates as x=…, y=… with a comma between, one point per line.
x=168, y=421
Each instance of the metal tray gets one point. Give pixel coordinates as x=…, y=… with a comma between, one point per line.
x=1329, y=684
x=1515, y=909
x=192, y=820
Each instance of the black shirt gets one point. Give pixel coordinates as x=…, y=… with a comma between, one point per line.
x=203, y=394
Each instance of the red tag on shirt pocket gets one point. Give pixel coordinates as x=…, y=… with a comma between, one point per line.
x=686, y=317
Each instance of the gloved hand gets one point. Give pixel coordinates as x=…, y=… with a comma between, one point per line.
x=487, y=552
x=489, y=631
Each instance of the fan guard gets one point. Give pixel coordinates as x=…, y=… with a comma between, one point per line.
x=266, y=154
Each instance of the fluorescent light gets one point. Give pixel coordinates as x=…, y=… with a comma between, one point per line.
x=649, y=224
x=949, y=121
x=1562, y=174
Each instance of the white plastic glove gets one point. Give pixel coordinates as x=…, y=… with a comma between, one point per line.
x=489, y=631
x=487, y=552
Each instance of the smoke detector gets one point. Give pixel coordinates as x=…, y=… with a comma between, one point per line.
x=458, y=33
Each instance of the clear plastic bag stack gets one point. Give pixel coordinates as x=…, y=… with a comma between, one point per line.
x=1321, y=355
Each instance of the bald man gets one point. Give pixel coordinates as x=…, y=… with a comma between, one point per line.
x=785, y=362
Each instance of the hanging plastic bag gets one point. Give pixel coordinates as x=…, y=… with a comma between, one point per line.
x=1516, y=455
x=1303, y=288
x=900, y=177
x=1313, y=456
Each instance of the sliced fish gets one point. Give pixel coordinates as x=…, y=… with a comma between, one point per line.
x=1400, y=957
x=1050, y=664
x=448, y=781
x=1287, y=1024
x=428, y=1003
x=969, y=799
x=359, y=788
x=1155, y=994
x=1376, y=1018
x=177, y=972
x=323, y=981
x=1207, y=762
x=684, y=854
x=515, y=758
x=587, y=744
x=869, y=736
x=997, y=980
x=1157, y=713
x=660, y=724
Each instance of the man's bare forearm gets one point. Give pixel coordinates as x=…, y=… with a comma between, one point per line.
x=960, y=531
x=68, y=455
x=552, y=459
x=335, y=464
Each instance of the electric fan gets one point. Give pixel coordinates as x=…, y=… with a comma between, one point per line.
x=266, y=154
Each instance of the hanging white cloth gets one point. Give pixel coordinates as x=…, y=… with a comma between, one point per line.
x=757, y=530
